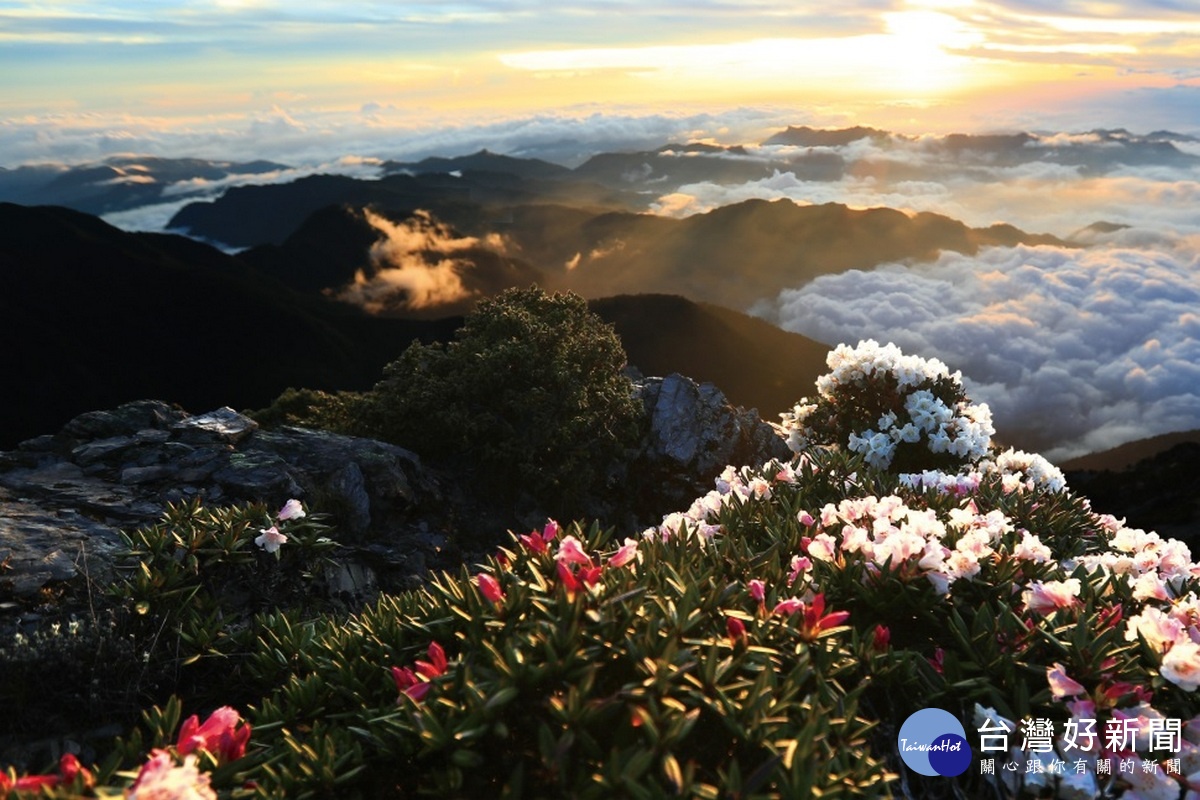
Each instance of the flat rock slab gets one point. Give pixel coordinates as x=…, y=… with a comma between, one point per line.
x=40, y=545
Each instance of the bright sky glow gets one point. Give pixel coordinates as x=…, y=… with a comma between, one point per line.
x=210, y=67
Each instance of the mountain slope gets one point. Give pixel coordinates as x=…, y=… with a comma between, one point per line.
x=97, y=317
x=740, y=254
x=734, y=256
x=754, y=363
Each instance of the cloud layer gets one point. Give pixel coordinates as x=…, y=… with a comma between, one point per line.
x=417, y=264
x=1074, y=350
x=1051, y=183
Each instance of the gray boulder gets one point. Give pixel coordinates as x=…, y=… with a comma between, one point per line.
x=63, y=498
x=694, y=433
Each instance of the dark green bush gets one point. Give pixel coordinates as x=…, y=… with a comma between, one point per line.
x=340, y=412
x=529, y=398
x=195, y=580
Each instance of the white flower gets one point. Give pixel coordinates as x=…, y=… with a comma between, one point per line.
x=1181, y=665
x=271, y=539
x=292, y=509
x=1031, y=549
x=160, y=779
x=1158, y=629
x=823, y=547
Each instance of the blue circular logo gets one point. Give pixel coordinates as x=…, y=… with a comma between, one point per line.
x=933, y=742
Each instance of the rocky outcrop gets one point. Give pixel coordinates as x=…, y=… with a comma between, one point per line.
x=694, y=433
x=64, y=497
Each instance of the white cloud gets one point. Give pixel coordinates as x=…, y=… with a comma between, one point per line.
x=418, y=265
x=1074, y=350
x=1054, y=184
x=293, y=135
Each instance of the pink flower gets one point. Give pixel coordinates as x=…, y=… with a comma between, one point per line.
x=489, y=587
x=627, y=553
x=409, y=685
x=572, y=580
x=69, y=769
x=436, y=665
x=805, y=519
x=816, y=620
x=938, y=662
x=788, y=607
x=291, y=510
x=539, y=542
x=570, y=551
x=1082, y=709
x=271, y=539
x=534, y=542
x=800, y=564
x=1061, y=684
x=758, y=590
x=220, y=735
x=1048, y=596
x=881, y=638
x=736, y=630
x=33, y=783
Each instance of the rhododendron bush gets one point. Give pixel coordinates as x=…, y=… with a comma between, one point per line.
x=768, y=641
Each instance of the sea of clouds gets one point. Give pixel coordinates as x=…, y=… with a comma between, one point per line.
x=1076, y=349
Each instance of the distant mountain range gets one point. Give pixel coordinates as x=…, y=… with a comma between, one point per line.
x=733, y=256
x=122, y=182
x=629, y=181
x=96, y=316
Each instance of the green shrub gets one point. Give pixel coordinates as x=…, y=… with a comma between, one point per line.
x=195, y=580
x=529, y=398
x=340, y=412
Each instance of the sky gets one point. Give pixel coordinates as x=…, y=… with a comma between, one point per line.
x=84, y=78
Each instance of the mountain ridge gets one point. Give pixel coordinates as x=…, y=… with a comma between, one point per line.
x=186, y=323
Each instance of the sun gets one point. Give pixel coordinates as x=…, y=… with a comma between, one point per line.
x=916, y=56
x=918, y=52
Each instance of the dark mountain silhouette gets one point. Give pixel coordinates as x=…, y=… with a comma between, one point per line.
x=120, y=183
x=95, y=317
x=755, y=364
x=483, y=161
x=669, y=167
x=804, y=136
x=1128, y=454
x=249, y=215
x=326, y=251
x=739, y=254
x=1153, y=484
x=332, y=249
x=733, y=256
